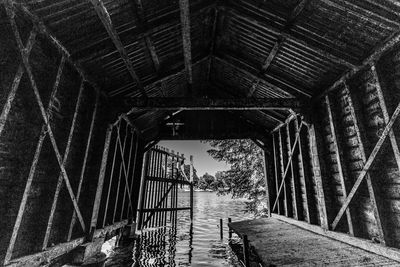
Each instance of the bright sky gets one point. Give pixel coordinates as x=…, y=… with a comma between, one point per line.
x=202, y=161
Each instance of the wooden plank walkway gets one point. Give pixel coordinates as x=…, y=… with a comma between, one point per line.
x=279, y=243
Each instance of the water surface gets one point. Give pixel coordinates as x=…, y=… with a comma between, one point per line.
x=182, y=246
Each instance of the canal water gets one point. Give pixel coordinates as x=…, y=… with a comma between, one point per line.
x=181, y=245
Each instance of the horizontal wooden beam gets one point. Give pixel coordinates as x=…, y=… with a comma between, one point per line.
x=181, y=103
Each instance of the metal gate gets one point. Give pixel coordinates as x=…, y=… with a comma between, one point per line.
x=162, y=175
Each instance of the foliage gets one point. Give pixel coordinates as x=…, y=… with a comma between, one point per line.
x=246, y=175
x=206, y=182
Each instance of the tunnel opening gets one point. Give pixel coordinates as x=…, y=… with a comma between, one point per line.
x=88, y=88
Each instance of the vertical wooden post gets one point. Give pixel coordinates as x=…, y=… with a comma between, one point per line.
x=339, y=162
x=246, y=252
x=191, y=169
x=267, y=183
x=100, y=183
x=292, y=174
x=83, y=170
x=303, y=177
x=276, y=174
x=386, y=117
x=230, y=231
x=110, y=181
x=316, y=167
x=371, y=190
x=142, y=191
x=221, y=228
x=285, y=203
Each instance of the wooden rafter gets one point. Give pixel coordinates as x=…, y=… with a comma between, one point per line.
x=139, y=10
x=108, y=25
x=181, y=103
x=291, y=89
x=184, y=7
x=289, y=37
x=371, y=59
x=281, y=39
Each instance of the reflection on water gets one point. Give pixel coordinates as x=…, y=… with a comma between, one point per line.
x=183, y=244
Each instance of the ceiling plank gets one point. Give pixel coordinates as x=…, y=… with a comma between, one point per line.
x=108, y=25
x=392, y=41
x=182, y=103
x=291, y=89
x=287, y=36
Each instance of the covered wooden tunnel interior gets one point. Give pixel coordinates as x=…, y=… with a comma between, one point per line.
x=88, y=86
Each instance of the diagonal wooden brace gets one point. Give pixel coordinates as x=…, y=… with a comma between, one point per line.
x=121, y=149
x=288, y=164
x=43, y=112
x=367, y=166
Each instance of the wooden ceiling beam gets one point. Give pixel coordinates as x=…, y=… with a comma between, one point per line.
x=140, y=13
x=393, y=40
x=182, y=103
x=184, y=7
x=108, y=25
x=86, y=52
x=291, y=89
x=293, y=16
x=286, y=35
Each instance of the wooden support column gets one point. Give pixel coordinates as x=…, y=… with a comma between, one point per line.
x=341, y=167
x=186, y=41
x=100, y=183
x=129, y=178
x=146, y=158
x=302, y=170
x=282, y=163
x=382, y=103
x=267, y=182
x=276, y=173
x=134, y=168
x=371, y=190
x=290, y=155
x=316, y=168
x=111, y=178
x=83, y=170
x=122, y=163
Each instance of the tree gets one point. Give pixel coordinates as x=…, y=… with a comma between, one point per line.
x=206, y=181
x=245, y=178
